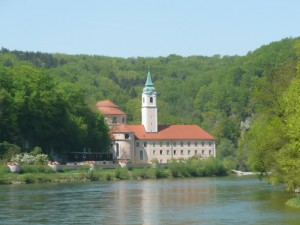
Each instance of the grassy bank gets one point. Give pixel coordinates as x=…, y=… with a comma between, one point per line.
x=82, y=175
x=294, y=202
x=44, y=174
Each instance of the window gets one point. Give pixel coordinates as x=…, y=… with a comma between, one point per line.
x=126, y=136
x=209, y=143
x=209, y=152
x=181, y=152
x=154, y=152
x=117, y=149
x=174, y=144
x=141, y=154
x=189, y=152
x=174, y=152
x=196, y=152
x=196, y=143
x=168, y=143
x=181, y=144
x=137, y=144
x=189, y=144
x=202, y=143
x=202, y=151
x=114, y=120
x=160, y=152
x=151, y=99
x=168, y=152
x=153, y=144
x=123, y=120
x=145, y=144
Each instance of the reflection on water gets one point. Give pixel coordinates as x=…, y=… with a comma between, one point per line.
x=229, y=200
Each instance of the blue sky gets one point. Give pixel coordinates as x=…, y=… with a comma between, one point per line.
x=150, y=28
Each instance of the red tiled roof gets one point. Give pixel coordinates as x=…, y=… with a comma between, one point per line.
x=122, y=128
x=106, y=103
x=107, y=107
x=166, y=132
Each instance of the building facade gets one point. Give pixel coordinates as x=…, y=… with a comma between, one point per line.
x=149, y=141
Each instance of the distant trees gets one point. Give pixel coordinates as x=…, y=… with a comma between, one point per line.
x=35, y=110
x=217, y=93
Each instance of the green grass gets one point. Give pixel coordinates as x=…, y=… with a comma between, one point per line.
x=294, y=202
x=45, y=174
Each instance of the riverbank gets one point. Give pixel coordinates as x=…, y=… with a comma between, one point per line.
x=42, y=174
x=84, y=173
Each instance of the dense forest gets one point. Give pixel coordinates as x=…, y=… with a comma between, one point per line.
x=48, y=100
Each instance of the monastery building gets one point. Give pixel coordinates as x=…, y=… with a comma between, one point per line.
x=149, y=141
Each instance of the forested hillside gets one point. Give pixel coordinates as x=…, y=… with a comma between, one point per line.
x=221, y=94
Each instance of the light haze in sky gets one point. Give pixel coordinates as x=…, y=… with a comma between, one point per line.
x=148, y=28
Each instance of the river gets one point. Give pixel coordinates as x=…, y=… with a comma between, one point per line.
x=226, y=200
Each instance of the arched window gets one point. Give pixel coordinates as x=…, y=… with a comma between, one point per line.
x=141, y=154
x=151, y=99
x=117, y=149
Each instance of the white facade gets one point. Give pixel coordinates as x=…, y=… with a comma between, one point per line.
x=149, y=112
x=165, y=150
x=149, y=107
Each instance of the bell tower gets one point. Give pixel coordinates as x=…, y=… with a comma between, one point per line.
x=149, y=107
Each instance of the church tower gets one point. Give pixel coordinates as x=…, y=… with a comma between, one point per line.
x=149, y=108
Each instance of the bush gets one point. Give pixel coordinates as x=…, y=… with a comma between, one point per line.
x=84, y=168
x=36, y=169
x=3, y=170
x=29, y=159
x=121, y=173
x=100, y=175
x=178, y=168
x=7, y=151
x=194, y=167
x=160, y=173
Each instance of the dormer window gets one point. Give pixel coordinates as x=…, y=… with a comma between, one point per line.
x=151, y=99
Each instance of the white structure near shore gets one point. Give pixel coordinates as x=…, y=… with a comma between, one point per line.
x=149, y=141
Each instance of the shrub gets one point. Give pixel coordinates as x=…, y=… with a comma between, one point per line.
x=214, y=166
x=7, y=150
x=84, y=168
x=36, y=169
x=194, y=167
x=178, y=168
x=121, y=173
x=3, y=170
x=29, y=159
x=160, y=173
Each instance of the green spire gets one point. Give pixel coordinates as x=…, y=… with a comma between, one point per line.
x=149, y=88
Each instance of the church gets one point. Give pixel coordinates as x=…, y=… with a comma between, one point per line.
x=149, y=142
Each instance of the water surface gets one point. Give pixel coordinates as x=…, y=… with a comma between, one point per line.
x=228, y=200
